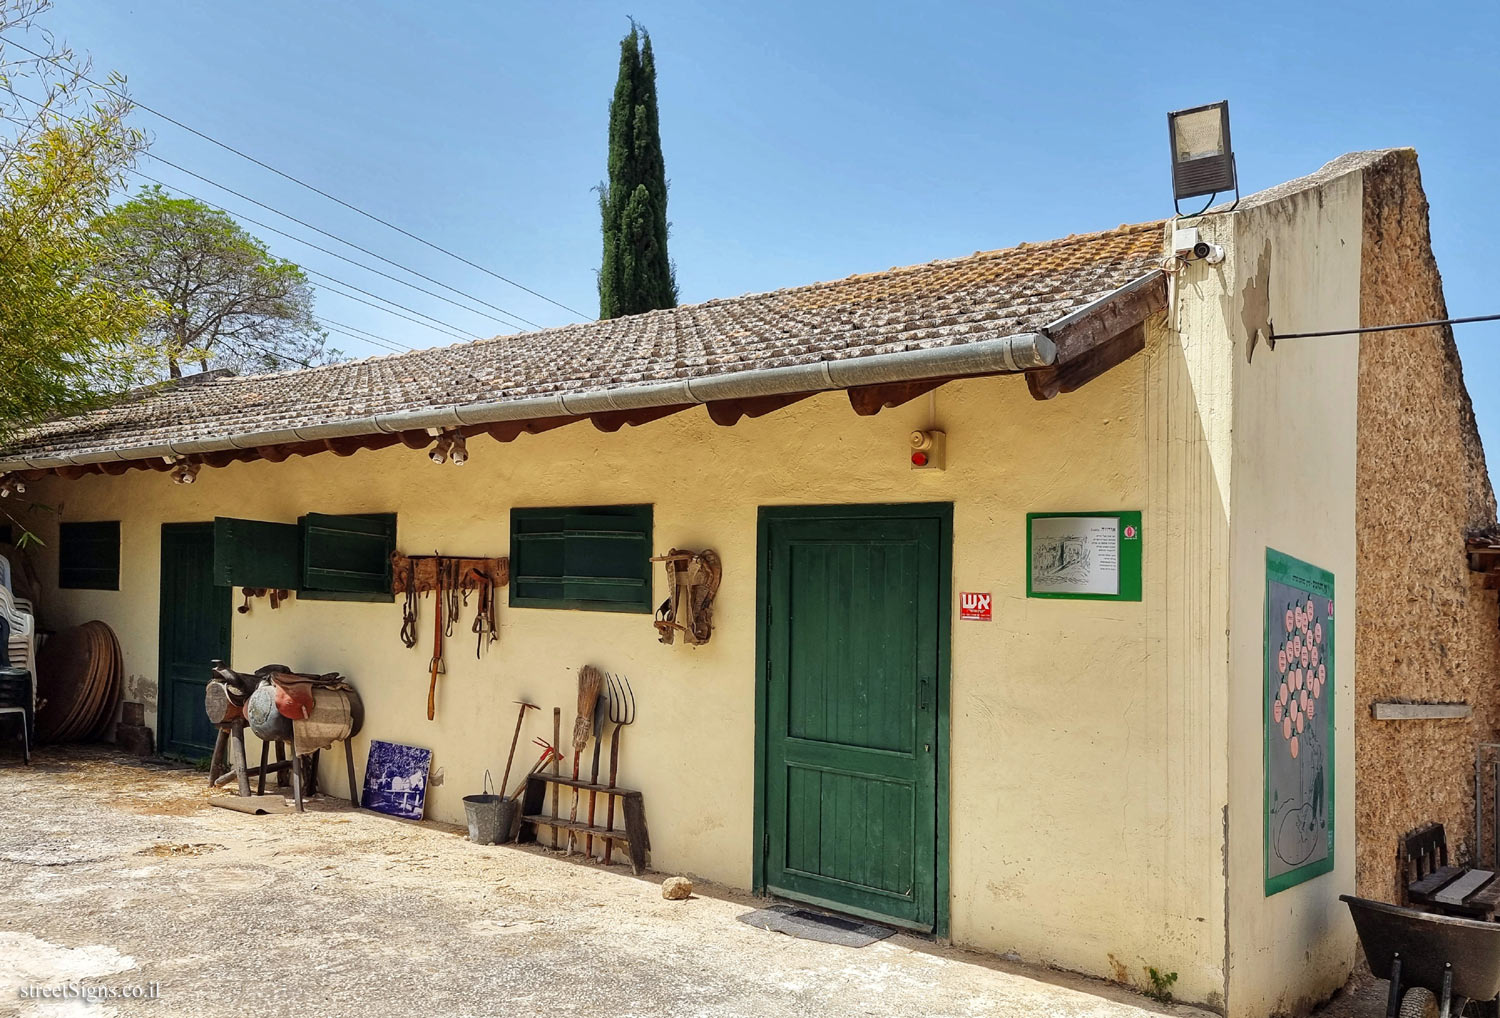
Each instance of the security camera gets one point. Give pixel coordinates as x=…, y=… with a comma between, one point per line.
x=1211, y=253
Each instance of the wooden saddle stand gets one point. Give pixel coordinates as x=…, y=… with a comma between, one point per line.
x=227, y=701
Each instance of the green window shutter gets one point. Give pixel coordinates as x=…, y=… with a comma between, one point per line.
x=595, y=558
x=88, y=555
x=348, y=554
x=253, y=553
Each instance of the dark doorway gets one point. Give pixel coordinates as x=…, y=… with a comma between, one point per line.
x=195, y=619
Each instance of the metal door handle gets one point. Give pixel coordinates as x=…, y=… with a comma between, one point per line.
x=922, y=695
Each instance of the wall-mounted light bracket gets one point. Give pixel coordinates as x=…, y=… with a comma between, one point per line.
x=450, y=447
x=1202, y=156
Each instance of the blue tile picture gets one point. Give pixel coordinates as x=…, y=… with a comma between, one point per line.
x=396, y=779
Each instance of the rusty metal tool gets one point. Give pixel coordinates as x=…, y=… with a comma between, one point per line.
x=520, y=717
x=409, y=606
x=621, y=713
x=589, y=681
x=556, y=769
x=601, y=706
x=436, y=666
x=484, y=613
x=549, y=754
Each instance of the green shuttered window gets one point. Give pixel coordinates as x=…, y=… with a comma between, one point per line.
x=343, y=556
x=595, y=558
x=324, y=558
x=88, y=555
x=254, y=553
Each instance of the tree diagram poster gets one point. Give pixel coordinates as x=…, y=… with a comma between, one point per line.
x=1298, y=698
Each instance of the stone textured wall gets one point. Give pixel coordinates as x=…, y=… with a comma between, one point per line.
x=1425, y=629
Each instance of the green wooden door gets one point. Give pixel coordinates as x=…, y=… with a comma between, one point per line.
x=195, y=618
x=854, y=603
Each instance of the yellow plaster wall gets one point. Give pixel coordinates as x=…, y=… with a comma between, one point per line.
x=1294, y=413
x=1086, y=790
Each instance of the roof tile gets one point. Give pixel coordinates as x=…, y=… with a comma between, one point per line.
x=985, y=295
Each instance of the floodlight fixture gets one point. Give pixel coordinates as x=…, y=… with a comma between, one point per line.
x=1202, y=157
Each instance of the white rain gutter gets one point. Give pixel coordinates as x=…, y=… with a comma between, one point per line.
x=1008, y=354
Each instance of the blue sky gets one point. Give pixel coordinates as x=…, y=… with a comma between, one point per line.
x=803, y=141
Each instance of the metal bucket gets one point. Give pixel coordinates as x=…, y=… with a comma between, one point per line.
x=510, y=820
x=265, y=720
x=484, y=814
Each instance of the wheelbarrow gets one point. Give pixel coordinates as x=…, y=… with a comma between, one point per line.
x=1436, y=964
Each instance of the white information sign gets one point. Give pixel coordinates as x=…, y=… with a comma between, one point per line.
x=1075, y=555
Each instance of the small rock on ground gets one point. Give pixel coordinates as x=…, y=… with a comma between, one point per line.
x=676, y=888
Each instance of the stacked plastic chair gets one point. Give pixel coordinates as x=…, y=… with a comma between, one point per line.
x=19, y=615
x=5, y=581
x=17, y=692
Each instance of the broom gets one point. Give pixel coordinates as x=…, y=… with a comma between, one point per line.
x=590, y=679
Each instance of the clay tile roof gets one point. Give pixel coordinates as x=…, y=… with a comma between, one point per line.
x=1488, y=537
x=985, y=295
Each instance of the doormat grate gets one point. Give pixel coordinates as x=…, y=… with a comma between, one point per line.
x=806, y=924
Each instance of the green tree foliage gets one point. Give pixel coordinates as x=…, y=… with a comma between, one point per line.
x=223, y=300
x=637, y=274
x=67, y=336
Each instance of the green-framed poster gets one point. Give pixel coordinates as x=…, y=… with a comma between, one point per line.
x=1298, y=703
x=1088, y=556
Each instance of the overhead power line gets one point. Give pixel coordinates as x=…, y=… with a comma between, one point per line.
x=435, y=328
x=453, y=329
x=377, y=344
x=332, y=253
x=438, y=324
x=315, y=229
x=301, y=183
x=275, y=354
x=346, y=329
x=333, y=236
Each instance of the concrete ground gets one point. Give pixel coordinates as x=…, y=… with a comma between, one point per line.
x=117, y=874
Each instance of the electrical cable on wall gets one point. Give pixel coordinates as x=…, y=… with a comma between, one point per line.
x=1277, y=337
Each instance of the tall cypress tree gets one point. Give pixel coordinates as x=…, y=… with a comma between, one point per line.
x=637, y=275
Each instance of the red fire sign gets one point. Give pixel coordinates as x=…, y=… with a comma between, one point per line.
x=975, y=607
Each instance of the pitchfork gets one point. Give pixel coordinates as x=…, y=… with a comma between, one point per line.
x=622, y=713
